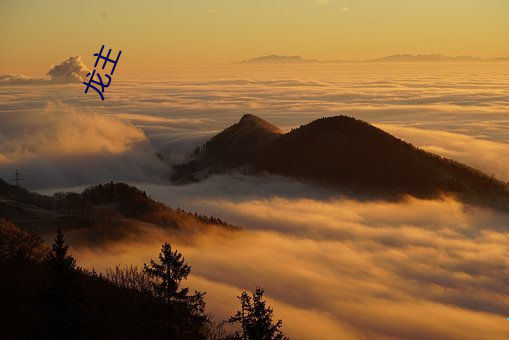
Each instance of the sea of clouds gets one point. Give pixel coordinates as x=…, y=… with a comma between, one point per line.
x=331, y=266
x=335, y=267
x=456, y=111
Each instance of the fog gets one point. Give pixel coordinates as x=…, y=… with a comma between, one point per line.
x=331, y=266
x=458, y=111
x=423, y=269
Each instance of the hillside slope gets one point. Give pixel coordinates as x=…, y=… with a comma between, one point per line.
x=355, y=157
x=237, y=145
x=116, y=208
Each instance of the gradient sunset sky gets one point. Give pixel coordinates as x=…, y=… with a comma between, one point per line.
x=165, y=34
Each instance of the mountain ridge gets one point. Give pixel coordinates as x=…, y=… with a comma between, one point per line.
x=278, y=59
x=352, y=156
x=396, y=58
x=230, y=148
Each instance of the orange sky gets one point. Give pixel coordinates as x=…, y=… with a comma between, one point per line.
x=168, y=34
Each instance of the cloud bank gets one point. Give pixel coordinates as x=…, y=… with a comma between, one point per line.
x=68, y=147
x=461, y=114
x=340, y=268
x=181, y=111
x=487, y=156
x=17, y=78
x=63, y=130
x=420, y=269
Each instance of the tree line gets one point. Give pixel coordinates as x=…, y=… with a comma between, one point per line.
x=48, y=296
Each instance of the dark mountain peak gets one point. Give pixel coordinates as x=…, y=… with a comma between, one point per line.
x=341, y=122
x=348, y=129
x=346, y=153
x=250, y=121
x=248, y=117
x=355, y=155
x=240, y=143
x=328, y=135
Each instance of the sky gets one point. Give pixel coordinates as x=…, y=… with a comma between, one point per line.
x=160, y=35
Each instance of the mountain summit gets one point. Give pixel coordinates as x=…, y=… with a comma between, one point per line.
x=236, y=146
x=241, y=142
x=250, y=121
x=345, y=153
x=279, y=59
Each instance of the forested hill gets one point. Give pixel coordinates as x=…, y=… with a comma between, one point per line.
x=350, y=155
x=113, y=207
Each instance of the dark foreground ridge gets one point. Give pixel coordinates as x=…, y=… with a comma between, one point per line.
x=348, y=154
x=46, y=295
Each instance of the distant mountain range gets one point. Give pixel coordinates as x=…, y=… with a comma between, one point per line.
x=277, y=59
x=396, y=58
x=344, y=153
x=426, y=58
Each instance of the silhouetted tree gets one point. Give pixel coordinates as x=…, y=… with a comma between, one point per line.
x=58, y=260
x=255, y=318
x=185, y=314
x=61, y=302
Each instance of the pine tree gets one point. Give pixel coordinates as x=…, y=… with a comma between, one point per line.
x=255, y=317
x=58, y=260
x=61, y=299
x=185, y=316
x=241, y=316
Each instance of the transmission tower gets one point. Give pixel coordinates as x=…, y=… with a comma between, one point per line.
x=17, y=178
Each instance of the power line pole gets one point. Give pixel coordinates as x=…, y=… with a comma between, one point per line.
x=17, y=178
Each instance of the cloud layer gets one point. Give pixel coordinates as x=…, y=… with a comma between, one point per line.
x=420, y=269
x=65, y=146
x=340, y=268
x=485, y=155
x=18, y=78
x=418, y=103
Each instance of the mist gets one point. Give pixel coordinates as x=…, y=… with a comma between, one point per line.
x=386, y=270
x=65, y=146
x=331, y=265
x=458, y=111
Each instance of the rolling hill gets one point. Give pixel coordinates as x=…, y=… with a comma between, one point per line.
x=115, y=208
x=348, y=154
